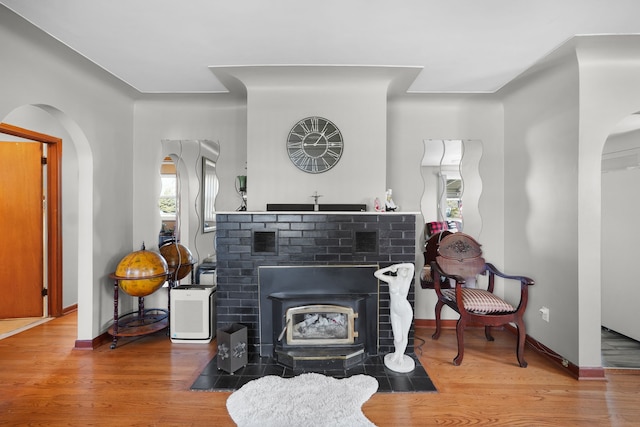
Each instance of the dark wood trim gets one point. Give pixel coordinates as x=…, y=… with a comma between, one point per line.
x=28, y=134
x=70, y=309
x=596, y=373
x=54, y=183
x=54, y=199
x=94, y=343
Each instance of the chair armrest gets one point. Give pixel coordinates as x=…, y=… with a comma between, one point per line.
x=523, y=279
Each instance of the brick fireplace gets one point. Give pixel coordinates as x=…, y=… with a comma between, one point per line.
x=247, y=241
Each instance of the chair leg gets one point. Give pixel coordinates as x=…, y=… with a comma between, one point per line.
x=436, y=334
x=460, y=336
x=521, y=341
x=487, y=333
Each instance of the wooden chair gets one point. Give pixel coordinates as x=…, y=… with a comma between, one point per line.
x=430, y=253
x=460, y=259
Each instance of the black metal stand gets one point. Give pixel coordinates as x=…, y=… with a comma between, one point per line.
x=137, y=323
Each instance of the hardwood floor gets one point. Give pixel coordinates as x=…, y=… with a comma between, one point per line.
x=145, y=382
x=619, y=351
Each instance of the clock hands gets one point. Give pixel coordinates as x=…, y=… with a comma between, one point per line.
x=313, y=144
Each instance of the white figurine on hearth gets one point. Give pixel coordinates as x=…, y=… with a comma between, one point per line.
x=389, y=205
x=401, y=314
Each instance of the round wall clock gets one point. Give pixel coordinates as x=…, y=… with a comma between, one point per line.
x=314, y=144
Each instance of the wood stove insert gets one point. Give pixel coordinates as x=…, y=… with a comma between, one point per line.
x=319, y=316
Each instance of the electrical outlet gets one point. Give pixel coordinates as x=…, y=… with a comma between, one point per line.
x=544, y=312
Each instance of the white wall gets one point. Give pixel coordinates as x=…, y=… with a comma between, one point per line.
x=541, y=194
x=359, y=176
x=95, y=110
x=413, y=118
x=183, y=118
x=557, y=118
x=609, y=92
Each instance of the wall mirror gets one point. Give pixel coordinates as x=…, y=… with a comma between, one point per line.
x=452, y=183
x=189, y=163
x=168, y=200
x=210, y=187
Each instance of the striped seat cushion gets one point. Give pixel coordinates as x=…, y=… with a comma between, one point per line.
x=480, y=301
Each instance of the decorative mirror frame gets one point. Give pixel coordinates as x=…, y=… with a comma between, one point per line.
x=210, y=187
x=466, y=163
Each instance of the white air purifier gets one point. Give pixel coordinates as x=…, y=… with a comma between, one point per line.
x=193, y=314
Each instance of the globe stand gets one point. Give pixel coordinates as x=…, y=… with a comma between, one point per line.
x=137, y=323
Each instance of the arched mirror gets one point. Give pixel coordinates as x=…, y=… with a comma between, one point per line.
x=452, y=183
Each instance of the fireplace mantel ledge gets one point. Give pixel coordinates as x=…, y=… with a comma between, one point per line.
x=314, y=213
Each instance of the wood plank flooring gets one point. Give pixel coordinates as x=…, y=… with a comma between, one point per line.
x=619, y=351
x=145, y=382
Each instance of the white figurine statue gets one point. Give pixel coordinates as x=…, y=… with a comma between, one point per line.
x=401, y=314
x=389, y=205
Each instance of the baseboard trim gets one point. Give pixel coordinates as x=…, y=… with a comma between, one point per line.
x=448, y=324
x=580, y=373
x=69, y=309
x=94, y=343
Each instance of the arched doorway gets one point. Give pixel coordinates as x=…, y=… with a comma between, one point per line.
x=76, y=198
x=620, y=208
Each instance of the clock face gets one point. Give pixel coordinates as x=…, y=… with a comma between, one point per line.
x=314, y=145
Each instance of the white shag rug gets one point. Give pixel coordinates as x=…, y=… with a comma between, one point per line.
x=306, y=400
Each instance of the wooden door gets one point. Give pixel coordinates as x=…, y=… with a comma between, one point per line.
x=21, y=219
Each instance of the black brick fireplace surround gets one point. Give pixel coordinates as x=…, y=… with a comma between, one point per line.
x=246, y=241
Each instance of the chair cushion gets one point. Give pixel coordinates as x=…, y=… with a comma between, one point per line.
x=480, y=301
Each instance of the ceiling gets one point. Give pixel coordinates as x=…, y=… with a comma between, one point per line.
x=460, y=46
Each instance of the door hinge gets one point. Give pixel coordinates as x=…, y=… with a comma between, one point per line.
x=45, y=292
x=44, y=160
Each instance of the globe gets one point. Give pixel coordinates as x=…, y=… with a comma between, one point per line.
x=142, y=272
x=179, y=259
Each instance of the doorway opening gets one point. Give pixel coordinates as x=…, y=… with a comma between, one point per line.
x=53, y=251
x=620, y=176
